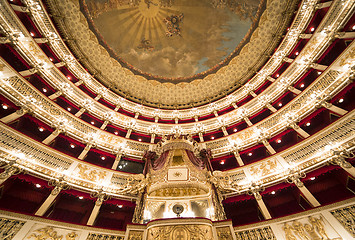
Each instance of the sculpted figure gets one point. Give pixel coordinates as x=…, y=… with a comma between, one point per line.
x=311, y=231
x=300, y=230
x=288, y=232
x=317, y=223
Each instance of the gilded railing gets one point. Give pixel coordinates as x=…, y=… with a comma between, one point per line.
x=39, y=159
x=24, y=94
x=126, y=122
x=304, y=156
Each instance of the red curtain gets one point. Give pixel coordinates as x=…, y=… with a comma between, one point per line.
x=151, y=162
x=198, y=162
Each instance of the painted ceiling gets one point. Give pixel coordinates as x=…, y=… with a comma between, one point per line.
x=173, y=39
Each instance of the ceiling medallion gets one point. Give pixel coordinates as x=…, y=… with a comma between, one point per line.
x=173, y=40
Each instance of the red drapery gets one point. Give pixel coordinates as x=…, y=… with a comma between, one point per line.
x=151, y=162
x=198, y=162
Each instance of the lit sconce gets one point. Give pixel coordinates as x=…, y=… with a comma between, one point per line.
x=302, y=85
x=222, y=162
x=44, y=90
x=4, y=106
x=250, y=154
x=92, y=122
x=41, y=129
x=120, y=166
x=235, y=130
x=81, y=197
x=32, y=34
x=296, y=53
x=51, y=59
x=72, y=145
x=308, y=124
x=120, y=206
x=353, y=28
x=312, y=178
x=273, y=192
x=341, y=100
x=116, y=133
x=68, y=77
x=212, y=138
x=280, y=104
x=103, y=158
x=312, y=29
x=319, y=72
x=278, y=141
x=139, y=139
x=69, y=109
x=277, y=75
x=38, y=185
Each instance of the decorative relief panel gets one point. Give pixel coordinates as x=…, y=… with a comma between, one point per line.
x=224, y=233
x=44, y=232
x=9, y=227
x=309, y=228
x=259, y=233
x=178, y=192
x=90, y=174
x=178, y=174
x=180, y=232
x=135, y=235
x=346, y=216
x=265, y=168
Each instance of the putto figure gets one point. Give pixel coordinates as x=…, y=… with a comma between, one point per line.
x=173, y=24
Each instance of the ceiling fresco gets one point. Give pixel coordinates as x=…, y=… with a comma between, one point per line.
x=173, y=39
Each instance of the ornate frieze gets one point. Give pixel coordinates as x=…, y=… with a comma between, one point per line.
x=182, y=232
x=41, y=232
x=313, y=227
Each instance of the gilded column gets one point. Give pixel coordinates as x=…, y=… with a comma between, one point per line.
x=295, y=178
x=59, y=186
x=101, y=197
x=255, y=191
x=13, y=116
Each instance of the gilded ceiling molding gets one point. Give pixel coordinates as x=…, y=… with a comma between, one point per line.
x=93, y=86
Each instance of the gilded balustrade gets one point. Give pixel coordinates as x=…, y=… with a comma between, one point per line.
x=325, y=86
x=186, y=128
x=309, y=154
x=40, y=159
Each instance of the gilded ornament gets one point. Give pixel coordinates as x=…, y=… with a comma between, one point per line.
x=224, y=233
x=300, y=230
x=317, y=223
x=289, y=232
x=91, y=175
x=71, y=236
x=346, y=216
x=46, y=233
